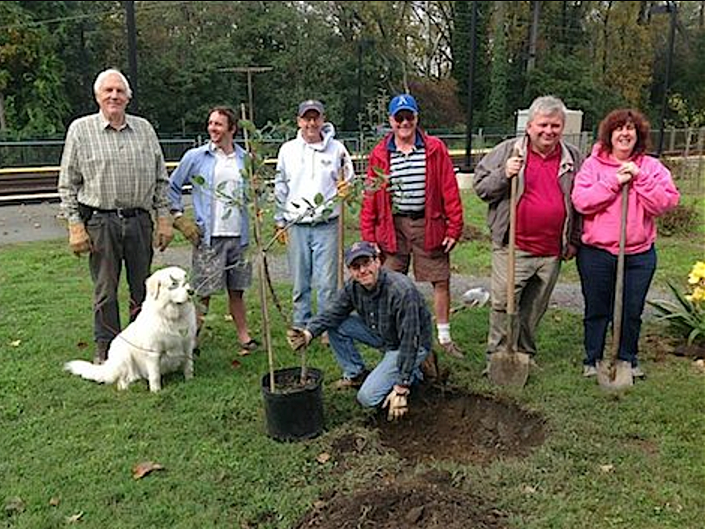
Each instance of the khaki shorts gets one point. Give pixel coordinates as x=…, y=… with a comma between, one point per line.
x=431, y=266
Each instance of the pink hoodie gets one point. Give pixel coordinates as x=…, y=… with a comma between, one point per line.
x=597, y=195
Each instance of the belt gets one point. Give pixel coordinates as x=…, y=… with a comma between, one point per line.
x=123, y=213
x=414, y=215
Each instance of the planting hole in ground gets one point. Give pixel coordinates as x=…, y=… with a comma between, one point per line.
x=462, y=427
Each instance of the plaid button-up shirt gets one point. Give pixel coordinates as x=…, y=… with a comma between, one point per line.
x=106, y=168
x=395, y=310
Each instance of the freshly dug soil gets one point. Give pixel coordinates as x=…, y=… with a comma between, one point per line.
x=423, y=502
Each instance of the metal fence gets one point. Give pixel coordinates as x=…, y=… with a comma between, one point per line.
x=683, y=150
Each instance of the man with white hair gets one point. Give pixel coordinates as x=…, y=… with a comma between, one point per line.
x=547, y=227
x=112, y=180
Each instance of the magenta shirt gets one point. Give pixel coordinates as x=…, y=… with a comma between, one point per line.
x=541, y=209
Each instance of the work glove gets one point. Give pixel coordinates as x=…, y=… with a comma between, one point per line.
x=298, y=338
x=189, y=229
x=282, y=235
x=343, y=189
x=165, y=233
x=79, y=241
x=396, y=402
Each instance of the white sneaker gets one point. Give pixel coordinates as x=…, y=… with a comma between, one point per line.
x=589, y=371
x=637, y=372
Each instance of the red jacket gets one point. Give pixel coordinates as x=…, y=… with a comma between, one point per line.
x=444, y=210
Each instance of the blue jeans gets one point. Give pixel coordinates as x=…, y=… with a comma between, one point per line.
x=313, y=260
x=381, y=380
x=598, y=269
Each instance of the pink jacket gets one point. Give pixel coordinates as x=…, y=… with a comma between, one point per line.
x=597, y=193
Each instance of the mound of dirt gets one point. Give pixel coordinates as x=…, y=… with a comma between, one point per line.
x=466, y=428
x=423, y=502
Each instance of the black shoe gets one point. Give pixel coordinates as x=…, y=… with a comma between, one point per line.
x=101, y=352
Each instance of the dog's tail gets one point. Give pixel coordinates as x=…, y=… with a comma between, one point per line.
x=104, y=373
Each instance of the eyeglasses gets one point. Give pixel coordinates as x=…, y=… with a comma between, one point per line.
x=401, y=117
x=359, y=264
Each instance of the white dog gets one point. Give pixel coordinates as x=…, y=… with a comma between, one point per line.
x=160, y=340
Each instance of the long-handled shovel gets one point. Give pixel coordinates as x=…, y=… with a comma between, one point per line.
x=509, y=367
x=341, y=229
x=616, y=374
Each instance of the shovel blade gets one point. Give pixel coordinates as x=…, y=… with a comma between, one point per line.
x=614, y=376
x=509, y=369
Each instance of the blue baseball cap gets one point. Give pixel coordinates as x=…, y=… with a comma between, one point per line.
x=403, y=102
x=360, y=249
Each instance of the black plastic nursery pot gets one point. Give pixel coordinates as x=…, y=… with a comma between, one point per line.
x=294, y=411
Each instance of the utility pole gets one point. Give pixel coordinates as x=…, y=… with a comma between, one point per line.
x=670, y=8
x=132, y=51
x=533, y=34
x=471, y=86
x=249, y=70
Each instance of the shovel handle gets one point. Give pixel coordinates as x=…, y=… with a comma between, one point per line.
x=619, y=277
x=341, y=228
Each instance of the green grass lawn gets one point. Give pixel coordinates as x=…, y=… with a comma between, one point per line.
x=68, y=445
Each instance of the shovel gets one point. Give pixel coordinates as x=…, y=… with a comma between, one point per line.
x=509, y=367
x=616, y=374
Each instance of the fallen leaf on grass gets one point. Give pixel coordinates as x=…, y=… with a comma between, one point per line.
x=82, y=344
x=528, y=489
x=244, y=352
x=75, y=518
x=323, y=457
x=700, y=365
x=54, y=502
x=14, y=506
x=142, y=469
x=227, y=317
x=235, y=364
x=15, y=343
x=607, y=468
x=319, y=505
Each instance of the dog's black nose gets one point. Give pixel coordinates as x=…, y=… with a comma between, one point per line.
x=190, y=292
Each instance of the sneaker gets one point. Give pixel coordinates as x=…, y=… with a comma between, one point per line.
x=589, y=371
x=637, y=372
x=351, y=383
x=451, y=349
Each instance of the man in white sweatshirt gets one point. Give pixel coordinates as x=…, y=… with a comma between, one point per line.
x=309, y=168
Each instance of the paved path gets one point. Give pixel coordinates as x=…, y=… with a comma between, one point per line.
x=37, y=222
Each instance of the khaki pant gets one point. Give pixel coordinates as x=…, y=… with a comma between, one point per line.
x=535, y=278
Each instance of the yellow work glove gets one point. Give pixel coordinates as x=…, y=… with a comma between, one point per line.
x=343, y=189
x=165, y=233
x=79, y=241
x=282, y=235
x=188, y=228
x=298, y=338
x=396, y=402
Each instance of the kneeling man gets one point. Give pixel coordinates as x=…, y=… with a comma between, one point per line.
x=390, y=315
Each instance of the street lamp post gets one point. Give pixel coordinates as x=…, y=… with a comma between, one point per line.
x=249, y=70
x=671, y=9
x=471, y=87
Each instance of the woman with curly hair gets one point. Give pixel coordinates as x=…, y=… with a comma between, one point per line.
x=619, y=159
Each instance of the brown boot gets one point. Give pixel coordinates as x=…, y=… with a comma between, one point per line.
x=429, y=368
x=101, y=352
